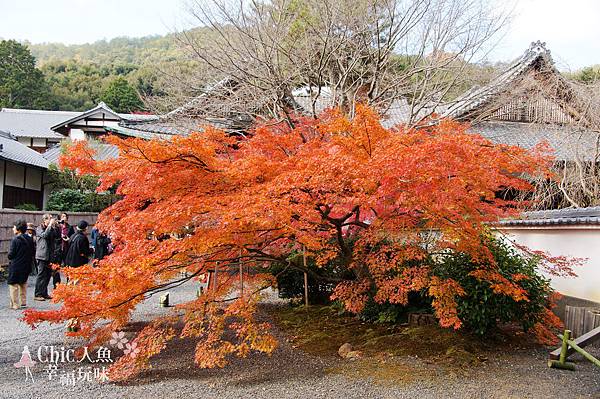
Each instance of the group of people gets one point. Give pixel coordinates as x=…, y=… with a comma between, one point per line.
x=37, y=249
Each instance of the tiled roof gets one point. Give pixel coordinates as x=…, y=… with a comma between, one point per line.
x=191, y=116
x=401, y=112
x=103, y=152
x=567, y=143
x=32, y=123
x=557, y=217
x=104, y=110
x=14, y=151
x=146, y=130
x=305, y=96
x=153, y=127
x=478, y=96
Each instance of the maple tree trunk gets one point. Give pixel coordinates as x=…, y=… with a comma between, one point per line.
x=305, y=277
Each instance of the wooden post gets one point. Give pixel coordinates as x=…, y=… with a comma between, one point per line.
x=241, y=275
x=305, y=277
x=215, y=277
x=586, y=339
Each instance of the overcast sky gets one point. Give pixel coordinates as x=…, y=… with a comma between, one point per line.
x=570, y=28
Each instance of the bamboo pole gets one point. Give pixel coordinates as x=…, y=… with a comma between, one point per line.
x=583, y=353
x=305, y=277
x=565, y=346
x=562, y=362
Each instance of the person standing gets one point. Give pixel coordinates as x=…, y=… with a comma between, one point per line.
x=79, y=250
x=46, y=237
x=65, y=232
x=78, y=255
x=31, y=233
x=19, y=267
x=100, y=243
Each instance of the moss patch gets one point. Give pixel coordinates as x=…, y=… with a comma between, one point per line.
x=396, y=353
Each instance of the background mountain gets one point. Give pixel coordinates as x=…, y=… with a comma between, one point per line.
x=79, y=76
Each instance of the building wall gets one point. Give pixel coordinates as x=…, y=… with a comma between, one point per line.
x=38, y=144
x=20, y=184
x=76, y=134
x=15, y=175
x=2, y=168
x=577, y=242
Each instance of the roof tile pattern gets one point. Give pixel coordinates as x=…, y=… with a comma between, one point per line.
x=32, y=123
x=14, y=151
x=567, y=143
x=557, y=217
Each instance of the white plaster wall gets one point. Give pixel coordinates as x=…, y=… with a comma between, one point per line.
x=25, y=141
x=581, y=243
x=15, y=175
x=34, y=179
x=38, y=143
x=77, y=134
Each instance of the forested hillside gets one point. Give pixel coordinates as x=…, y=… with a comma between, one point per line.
x=121, y=50
x=79, y=76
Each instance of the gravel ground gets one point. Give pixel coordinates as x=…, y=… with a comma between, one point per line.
x=288, y=373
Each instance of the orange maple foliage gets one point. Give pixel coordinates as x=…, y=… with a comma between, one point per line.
x=209, y=199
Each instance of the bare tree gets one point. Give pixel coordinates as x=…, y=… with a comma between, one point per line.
x=403, y=56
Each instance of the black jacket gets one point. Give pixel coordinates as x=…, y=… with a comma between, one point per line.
x=79, y=250
x=20, y=255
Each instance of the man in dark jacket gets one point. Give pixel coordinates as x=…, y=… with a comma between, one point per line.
x=79, y=250
x=19, y=267
x=45, y=244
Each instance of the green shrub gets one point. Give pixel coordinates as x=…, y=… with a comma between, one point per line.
x=27, y=207
x=481, y=309
x=68, y=200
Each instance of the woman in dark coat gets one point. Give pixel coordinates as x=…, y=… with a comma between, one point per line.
x=19, y=267
x=79, y=250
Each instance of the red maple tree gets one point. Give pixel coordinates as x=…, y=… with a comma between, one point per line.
x=347, y=190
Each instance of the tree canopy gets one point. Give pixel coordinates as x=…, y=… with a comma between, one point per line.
x=122, y=97
x=22, y=85
x=373, y=201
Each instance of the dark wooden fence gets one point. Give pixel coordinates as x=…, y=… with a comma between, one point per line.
x=581, y=320
x=9, y=216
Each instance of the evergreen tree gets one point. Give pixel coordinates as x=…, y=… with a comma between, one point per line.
x=121, y=96
x=22, y=85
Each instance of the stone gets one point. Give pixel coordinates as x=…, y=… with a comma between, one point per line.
x=344, y=350
x=353, y=355
x=421, y=319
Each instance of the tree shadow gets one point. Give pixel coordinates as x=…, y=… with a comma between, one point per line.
x=176, y=361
